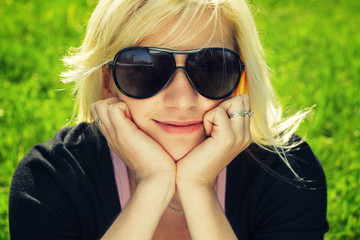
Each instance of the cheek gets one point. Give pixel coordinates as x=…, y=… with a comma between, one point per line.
x=112, y=87
x=137, y=110
x=211, y=104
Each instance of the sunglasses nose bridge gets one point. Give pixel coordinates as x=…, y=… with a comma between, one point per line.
x=180, y=67
x=186, y=74
x=180, y=92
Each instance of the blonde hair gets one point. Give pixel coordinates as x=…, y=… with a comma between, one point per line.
x=116, y=24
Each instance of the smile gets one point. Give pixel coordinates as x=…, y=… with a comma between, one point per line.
x=178, y=127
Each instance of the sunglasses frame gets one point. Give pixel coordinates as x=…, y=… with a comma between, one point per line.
x=110, y=65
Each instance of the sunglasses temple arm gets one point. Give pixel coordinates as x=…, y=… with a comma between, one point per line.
x=109, y=65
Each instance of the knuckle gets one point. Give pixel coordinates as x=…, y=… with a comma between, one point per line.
x=98, y=105
x=246, y=101
x=237, y=99
x=245, y=97
x=110, y=107
x=93, y=110
x=92, y=107
x=218, y=110
x=121, y=105
x=117, y=106
x=238, y=102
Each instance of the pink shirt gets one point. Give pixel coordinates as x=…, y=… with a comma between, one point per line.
x=123, y=185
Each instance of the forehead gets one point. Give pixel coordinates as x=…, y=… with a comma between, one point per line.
x=196, y=34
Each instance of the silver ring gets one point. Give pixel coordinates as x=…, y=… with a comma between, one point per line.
x=241, y=113
x=250, y=113
x=97, y=122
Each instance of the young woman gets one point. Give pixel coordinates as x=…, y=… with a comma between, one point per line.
x=179, y=136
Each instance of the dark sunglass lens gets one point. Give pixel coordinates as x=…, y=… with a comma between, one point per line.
x=214, y=72
x=141, y=73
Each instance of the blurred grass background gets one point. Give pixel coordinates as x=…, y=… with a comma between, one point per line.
x=313, y=47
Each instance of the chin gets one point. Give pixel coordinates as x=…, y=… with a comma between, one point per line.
x=178, y=156
x=179, y=151
x=179, y=147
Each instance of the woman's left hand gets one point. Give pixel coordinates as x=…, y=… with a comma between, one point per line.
x=227, y=138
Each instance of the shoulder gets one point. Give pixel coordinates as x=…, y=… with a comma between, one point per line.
x=57, y=184
x=57, y=162
x=70, y=156
x=69, y=143
x=72, y=137
x=301, y=161
x=278, y=205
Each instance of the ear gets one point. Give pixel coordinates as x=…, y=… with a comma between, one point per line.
x=108, y=88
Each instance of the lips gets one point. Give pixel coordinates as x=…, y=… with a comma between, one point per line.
x=180, y=127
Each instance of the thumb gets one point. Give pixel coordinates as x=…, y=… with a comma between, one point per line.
x=209, y=122
x=215, y=118
x=123, y=106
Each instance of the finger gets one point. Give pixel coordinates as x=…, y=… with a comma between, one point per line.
x=234, y=105
x=108, y=101
x=93, y=111
x=99, y=111
x=216, y=122
x=118, y=116
x=100, y=118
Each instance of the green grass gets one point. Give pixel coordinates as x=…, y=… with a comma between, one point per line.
x=312, y=46
x=314, y=50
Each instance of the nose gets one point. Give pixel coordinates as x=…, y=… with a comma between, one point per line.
x=180, y=93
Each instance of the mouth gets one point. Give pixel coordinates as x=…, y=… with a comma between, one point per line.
x=180, y=127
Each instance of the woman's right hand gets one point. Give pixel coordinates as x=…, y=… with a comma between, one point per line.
x=143, y=155
x=154, y=170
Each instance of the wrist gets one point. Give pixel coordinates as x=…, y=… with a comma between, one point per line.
x=184, y=181
x=187, y=187
x=160, y=186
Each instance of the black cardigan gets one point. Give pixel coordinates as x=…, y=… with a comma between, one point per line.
x=65, y=189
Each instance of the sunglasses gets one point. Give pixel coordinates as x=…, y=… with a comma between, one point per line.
x=142, y=72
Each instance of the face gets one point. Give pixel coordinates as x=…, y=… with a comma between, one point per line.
x=173, y=117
